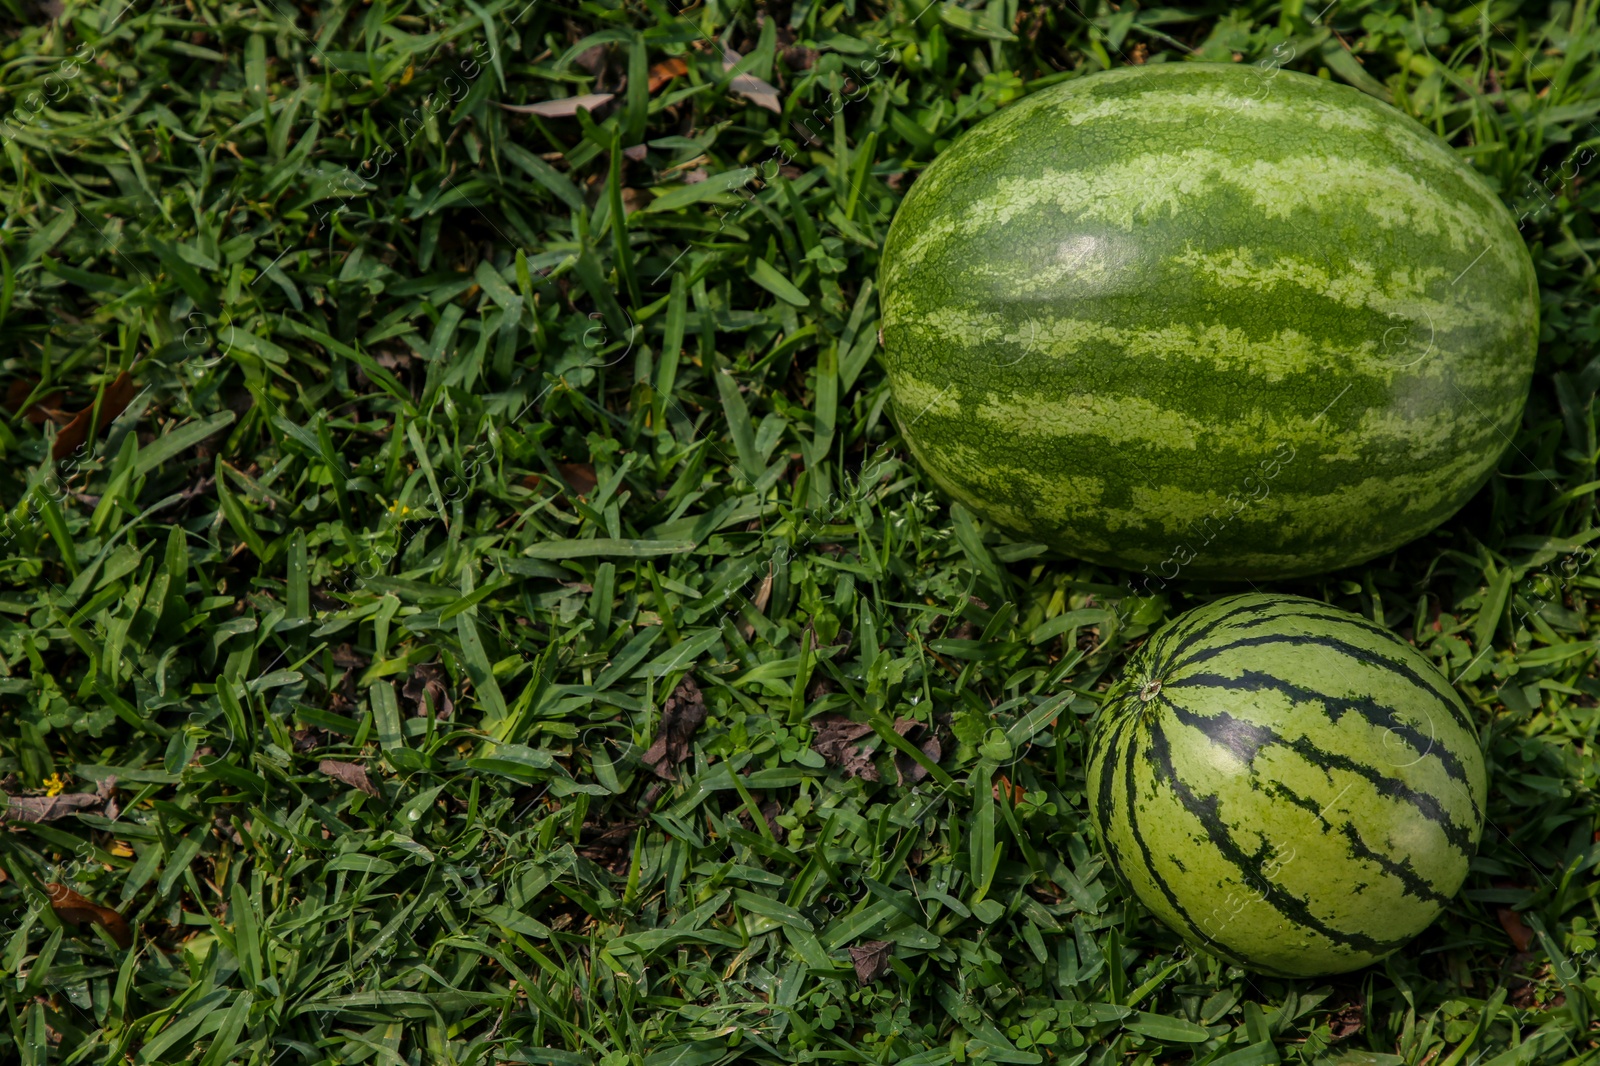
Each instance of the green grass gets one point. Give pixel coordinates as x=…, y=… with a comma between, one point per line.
x=429, y=395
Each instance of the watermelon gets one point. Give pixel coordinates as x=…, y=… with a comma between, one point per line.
x=1286, y=785
x=1208, y=320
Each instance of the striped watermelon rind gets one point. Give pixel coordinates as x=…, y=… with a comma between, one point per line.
x=1191, y=318
x=1286, y=785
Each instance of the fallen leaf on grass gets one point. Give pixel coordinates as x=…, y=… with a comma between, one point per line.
x=352, y=774
x=41, y=410
x=681, y=715
x=1016, y=793
x=71, y=907
x=48, y=808
x=566, y=107
x=665, y=71
x=757, y=92
x=107, y=791
x=751, y=87
x=871, y=960
x=835, y=741
x=117, y=396
x=905, y=767
x=425, y=686
x=346, y=657
x=763, y=597
x=580, y=476
x=770, y=811
x=1515, y=928
x=836, y=738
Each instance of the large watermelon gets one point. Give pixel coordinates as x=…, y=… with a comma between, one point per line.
x=1207, y=320
x=1286, y=785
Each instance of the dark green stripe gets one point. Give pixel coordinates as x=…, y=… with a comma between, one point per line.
x=1132, y=798
x=1107, y=754
x=1367, y=708
x=1413, y=884
x=1214, y=615
x=1238, y=735
x=1292, y=908
x=1354, y=651
x=1333, y=614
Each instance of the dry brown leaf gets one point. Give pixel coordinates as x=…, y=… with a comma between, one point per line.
x=41, y=410
x=427, y=685
x=580, y=476
x=352, y=774
x=566, y=107
x=764, y=591
x=48, y=808
x=107, y=791
x=665, y=71
x=757, y=92
x=1515, y=928
x=71, y=907
x=770, y=811
x=762, y=598
x=871, y=960
x=117, y=396
x=634, y=199
x=905, y=767
x=751, y=87
x=592, y=58
x=1015, y=792
x=681, y=715
x=835, y=741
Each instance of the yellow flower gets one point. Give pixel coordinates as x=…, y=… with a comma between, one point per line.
x=53, y=785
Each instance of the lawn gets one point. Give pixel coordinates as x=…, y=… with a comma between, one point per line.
x=464, y=598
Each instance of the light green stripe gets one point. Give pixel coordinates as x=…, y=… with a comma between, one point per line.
x=1415, y=293
x=1130, y=192
x=1246, y=431
x=1407, y=348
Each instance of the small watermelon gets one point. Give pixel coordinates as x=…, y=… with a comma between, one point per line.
x=1286, y=785
x=1207, y=320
